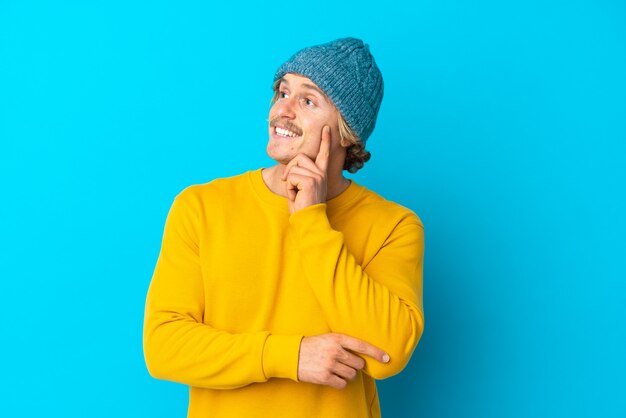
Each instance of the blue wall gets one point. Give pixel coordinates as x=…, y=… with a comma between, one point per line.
x=503, y=127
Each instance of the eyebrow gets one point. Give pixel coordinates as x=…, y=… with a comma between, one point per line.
x=313, y=87
x=308, y=86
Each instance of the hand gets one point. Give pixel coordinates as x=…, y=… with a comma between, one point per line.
x=330, y=359
x=305, y=179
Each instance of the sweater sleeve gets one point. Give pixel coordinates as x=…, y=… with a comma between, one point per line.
x=178, y=344
x=380, y=303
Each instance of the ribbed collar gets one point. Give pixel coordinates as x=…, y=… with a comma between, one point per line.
x=267, y=196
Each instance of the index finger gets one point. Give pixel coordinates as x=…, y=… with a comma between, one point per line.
x=322, y=156
x=362, y=347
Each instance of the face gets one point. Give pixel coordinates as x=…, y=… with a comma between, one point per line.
x=297, y=118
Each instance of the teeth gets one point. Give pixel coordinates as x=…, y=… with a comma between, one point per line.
x=285, y=132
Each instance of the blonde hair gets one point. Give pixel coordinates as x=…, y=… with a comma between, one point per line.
x=356, y=154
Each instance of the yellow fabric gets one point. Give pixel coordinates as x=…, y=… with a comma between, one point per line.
x=239, y=281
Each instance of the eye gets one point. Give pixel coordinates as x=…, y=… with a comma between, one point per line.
x=282, y=95
x=309, y=102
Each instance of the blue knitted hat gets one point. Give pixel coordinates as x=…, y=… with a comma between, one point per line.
x=345, y=70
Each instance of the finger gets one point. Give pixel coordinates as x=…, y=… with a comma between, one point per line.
x=336, y=382
x=297, y=181
x=352, y=360
x=322, y=156
x=304, y=172
x=300, y=160
x=362, y=347
x=291, y=186
x=292, y=191
x=344, y=372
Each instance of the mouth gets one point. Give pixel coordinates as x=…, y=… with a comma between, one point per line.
x=285, y=129
x=285, y=133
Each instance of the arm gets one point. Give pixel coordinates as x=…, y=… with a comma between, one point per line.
x=178, y=345
x=381, y=303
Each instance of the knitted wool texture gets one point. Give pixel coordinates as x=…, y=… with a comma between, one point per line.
x=346, y=72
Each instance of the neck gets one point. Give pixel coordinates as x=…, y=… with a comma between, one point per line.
x=336, y=182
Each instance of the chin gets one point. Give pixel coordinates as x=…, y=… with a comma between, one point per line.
x=280, y=158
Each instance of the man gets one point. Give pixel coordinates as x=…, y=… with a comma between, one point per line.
x=286, y=291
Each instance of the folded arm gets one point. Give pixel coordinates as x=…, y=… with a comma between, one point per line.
x=380, y=303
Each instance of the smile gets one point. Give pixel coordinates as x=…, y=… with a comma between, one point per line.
x=285, y=132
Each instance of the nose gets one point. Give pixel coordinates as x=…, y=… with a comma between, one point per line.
x=284, y=107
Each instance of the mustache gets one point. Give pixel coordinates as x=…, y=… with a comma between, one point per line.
x=285, y=124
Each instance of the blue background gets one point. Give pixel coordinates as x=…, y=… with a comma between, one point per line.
x=503, y=127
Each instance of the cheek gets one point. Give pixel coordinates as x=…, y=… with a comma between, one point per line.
x=273, y=111
x=314, y=128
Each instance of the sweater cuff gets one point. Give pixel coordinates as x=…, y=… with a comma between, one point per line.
x=312, y=217
x=281, y=355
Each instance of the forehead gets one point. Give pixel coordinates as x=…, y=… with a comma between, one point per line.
x=299, y=81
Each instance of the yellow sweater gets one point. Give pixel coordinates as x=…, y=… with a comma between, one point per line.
x=239, y=281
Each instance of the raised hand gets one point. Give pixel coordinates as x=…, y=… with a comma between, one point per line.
x=331, y=359
x=305, y=179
